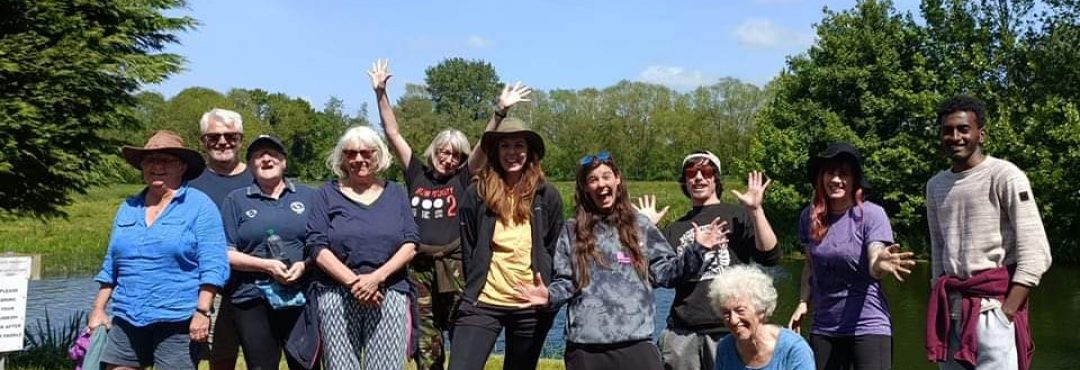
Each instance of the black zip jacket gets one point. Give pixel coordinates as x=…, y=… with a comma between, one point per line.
x=478, y=226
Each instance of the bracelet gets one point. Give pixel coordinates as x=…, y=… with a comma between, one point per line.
x=204, y=312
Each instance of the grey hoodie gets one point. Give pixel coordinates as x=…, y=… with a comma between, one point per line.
x=617, y=305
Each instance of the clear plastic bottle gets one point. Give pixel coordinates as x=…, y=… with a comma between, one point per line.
x=275, y=245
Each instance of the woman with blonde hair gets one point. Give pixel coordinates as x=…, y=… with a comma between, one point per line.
x=362, y=235
x=510, y=222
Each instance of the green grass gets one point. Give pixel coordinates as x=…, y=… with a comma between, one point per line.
x=76, y=244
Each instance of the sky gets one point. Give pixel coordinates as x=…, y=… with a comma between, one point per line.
x=316, y=49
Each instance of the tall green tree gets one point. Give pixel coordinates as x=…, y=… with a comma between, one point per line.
x=68, y=70
x=463, y=89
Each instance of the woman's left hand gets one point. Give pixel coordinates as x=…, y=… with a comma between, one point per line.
x=892, y=261
x=712, y=235
x=365, y=286
x=296, y=271
x=199, y=331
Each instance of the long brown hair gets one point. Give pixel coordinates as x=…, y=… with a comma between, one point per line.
x=509, y=203
x=587, y=214
x=819, y=207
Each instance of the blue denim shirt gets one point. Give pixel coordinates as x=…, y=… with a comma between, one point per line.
x=156, y=271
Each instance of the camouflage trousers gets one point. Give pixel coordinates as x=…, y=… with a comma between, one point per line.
x=434, y=309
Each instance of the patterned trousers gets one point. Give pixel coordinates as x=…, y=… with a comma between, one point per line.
x=362, y=337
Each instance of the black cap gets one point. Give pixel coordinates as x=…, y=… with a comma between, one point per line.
x=265, y=140
x=834, y=151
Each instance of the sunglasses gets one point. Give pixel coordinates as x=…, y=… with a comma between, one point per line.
x=706, y=172
x=231, y=137
x=365, y=153
x=588, y=159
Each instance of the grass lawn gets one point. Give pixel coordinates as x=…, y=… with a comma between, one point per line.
x=77, y=243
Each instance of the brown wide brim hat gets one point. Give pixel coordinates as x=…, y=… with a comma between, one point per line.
x=512, y=126
x=168, y=142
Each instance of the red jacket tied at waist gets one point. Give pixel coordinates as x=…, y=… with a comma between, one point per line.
x=993, y=283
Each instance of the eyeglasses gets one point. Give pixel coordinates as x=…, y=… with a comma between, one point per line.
x=159, y=159
x=230, y=137
x=601, y=156
x=365, y=153
x=706, y=172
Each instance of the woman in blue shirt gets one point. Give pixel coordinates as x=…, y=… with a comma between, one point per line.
x=166, y=260
x=744, y=297
x=362, y=235
x=265, y=226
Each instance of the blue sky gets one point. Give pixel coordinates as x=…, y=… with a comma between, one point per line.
x=316, y=49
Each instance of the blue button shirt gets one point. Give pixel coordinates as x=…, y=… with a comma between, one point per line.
x=248, y=214
x=156, y=271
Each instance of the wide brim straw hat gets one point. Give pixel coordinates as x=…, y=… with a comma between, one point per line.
x=168, y=142
x=832, y=152
x=513, y=126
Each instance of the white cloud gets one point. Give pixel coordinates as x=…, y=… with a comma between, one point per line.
x=478, y=42
x=675, y=77
x=763, y=33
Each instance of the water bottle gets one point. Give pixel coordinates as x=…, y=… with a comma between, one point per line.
x=275, y=245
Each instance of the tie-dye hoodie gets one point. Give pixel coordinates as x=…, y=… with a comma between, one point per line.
x=617, y=305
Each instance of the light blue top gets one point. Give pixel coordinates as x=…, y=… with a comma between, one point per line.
x=156, y=271
x=791, y=353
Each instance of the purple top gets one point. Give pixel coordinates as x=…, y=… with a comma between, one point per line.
x=846, y=300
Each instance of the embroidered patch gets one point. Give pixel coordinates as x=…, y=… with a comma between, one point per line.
x=1024, y=196
x=297, y=207
x=251, y=213
x=622, y=258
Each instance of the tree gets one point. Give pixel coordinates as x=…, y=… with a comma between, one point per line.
x=67, y=73
x=463, y=89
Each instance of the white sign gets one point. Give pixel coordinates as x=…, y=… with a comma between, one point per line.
x=16, y=266
x=12, y=313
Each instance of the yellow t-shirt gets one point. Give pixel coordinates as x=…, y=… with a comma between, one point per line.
x=511, y=264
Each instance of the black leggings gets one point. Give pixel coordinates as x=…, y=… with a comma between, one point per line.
x=476, y=327
x=860, y=352
x=263, y=332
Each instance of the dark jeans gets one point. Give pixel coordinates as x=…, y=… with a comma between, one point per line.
x=263, y=332
x=860, y=352
x=476, y=328
x=639, y=355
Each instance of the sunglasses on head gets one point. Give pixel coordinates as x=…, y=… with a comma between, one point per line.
x=231, y=137
x=706, y=172
x=601, y=156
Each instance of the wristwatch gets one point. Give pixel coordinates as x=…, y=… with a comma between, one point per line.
x=203, y=311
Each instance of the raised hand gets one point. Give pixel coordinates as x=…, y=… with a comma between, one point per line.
x=646, y=205
x=891, y=260
x=513, y=94
x=795, y=323
x=379, y=73
x=535, y=295
x=755, y=190
x=712, y=235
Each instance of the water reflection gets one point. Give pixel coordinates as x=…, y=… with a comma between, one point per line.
x=1055, y=311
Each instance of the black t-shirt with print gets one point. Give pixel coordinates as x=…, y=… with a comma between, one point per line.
x=691, y=309
x=434, y=201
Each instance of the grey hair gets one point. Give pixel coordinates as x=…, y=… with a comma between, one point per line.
x=364, y=136
x=226, y=117
x=744, y=282
x=457, y=140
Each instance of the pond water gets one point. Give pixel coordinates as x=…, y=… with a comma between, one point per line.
x=1055, y=310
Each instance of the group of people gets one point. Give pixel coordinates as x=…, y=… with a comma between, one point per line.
x=367, y=273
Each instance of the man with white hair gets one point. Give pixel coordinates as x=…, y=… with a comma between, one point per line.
x=222, y=134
